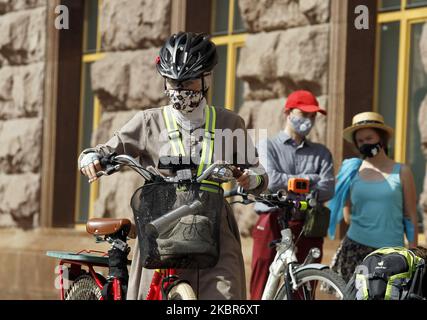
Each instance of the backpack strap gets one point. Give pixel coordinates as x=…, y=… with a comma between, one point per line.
x=417, y=279
x=361, y=284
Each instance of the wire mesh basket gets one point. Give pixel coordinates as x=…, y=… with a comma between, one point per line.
x=178, y=225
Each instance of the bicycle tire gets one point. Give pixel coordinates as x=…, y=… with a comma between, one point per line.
x=326, y=276
x=83, y=288
x=182, y=291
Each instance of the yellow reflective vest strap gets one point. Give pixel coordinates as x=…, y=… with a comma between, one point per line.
x=206, y=186
x=208, y=139
x=173, y=132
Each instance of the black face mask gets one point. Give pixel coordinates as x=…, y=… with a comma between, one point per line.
x=370, y=150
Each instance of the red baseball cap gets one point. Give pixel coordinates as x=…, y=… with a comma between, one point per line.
x=303, y=100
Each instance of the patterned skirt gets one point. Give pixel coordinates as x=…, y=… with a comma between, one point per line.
x=348, y=256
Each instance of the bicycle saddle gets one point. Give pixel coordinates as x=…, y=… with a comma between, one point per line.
x=108, y=226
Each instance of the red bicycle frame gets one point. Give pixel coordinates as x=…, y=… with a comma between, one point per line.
x=154, y=292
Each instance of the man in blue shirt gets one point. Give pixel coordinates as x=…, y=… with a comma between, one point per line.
x=290, y=155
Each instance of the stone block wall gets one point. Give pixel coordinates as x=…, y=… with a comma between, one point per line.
x=294, y=54
x=126, y=81
x=22, y=64
x=289, y=40
x=287, y=49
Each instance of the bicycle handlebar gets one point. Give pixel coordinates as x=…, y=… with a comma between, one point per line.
x=280, y=199
x=219, y=170
x=113, y=163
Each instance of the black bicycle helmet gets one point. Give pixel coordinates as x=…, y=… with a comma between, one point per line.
x=187, y=56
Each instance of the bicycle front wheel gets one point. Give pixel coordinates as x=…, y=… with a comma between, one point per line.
x=182, y=291
x=314, y=284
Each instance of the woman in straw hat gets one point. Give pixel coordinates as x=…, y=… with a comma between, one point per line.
x=375, y=195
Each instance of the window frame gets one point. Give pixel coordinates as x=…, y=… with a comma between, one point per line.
x=87, y=58
x=406, y=17
x=233, y=41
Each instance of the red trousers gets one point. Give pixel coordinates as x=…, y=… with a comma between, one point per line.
x=266, y=230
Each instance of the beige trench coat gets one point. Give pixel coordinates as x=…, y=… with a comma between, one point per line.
x=145, y=136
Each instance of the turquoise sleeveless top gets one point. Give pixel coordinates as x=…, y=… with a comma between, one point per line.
x=377, y=211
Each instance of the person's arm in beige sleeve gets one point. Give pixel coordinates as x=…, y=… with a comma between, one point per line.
x=131, y=140
x=255, y=178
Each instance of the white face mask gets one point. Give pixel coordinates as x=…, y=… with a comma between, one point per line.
x=185, y=101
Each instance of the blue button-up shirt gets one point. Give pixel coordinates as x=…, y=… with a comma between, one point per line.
x=283, y=159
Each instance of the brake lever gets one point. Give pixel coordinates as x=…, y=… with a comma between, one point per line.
x=109, y=171
x=155, y=171
x=244, y=202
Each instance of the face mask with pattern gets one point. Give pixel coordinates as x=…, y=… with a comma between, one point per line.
x=184, y=101
x=301, y=125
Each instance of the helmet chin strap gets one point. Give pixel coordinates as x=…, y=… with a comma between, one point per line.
x=204, y=90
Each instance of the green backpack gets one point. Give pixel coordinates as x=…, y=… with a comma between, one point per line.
x=391, y=273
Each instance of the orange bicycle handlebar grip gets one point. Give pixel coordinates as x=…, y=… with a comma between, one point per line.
x=299, y=185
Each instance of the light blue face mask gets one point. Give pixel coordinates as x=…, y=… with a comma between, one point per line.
x=301, y=125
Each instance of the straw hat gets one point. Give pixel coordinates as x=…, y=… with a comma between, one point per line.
x=367, y=120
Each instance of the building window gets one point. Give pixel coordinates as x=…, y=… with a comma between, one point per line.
x=401, y=81
x=90, y=107
x=228, y=33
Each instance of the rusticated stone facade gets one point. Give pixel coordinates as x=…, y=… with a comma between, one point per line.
x=126, y=81
x=294, y=55
x=268, y=15
x=287, y=48
x=22, y=63
x=290, y=41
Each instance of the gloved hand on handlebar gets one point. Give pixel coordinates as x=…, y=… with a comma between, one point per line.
x=249, y=180
x=90, y=165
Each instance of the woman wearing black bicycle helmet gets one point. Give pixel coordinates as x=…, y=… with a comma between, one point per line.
x=187, y=56
x=186, y=61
